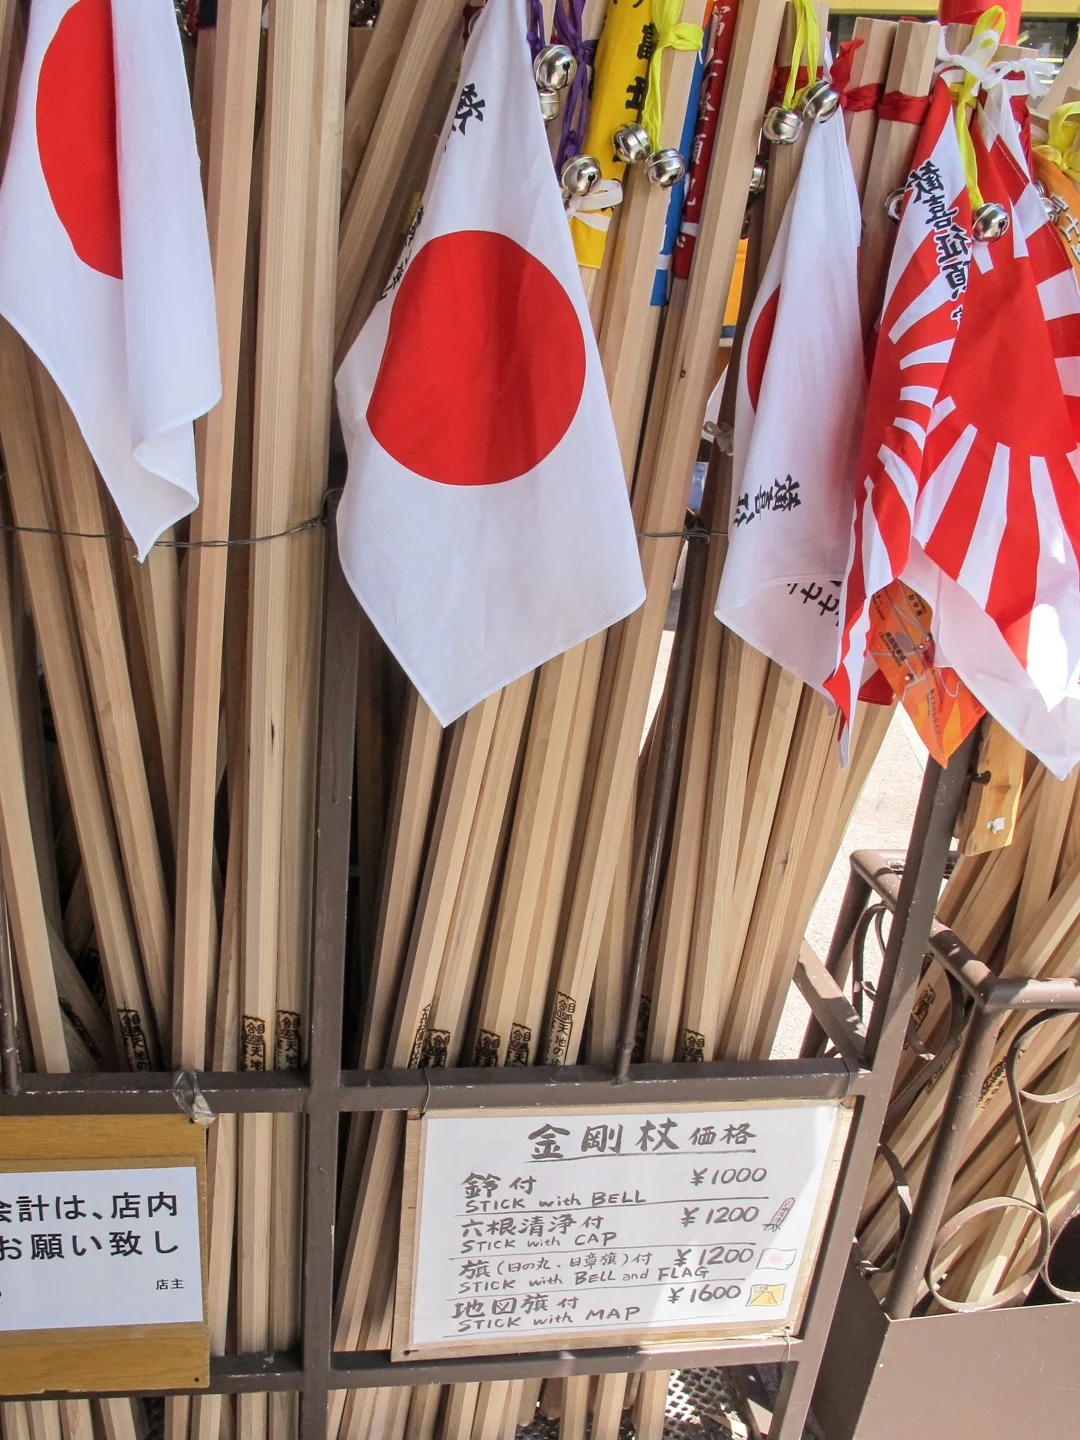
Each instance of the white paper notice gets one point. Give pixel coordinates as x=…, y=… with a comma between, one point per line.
x=99, y=1247
x=563, y=1226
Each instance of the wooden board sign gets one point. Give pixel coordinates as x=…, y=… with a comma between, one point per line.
x=102, y=1267
x=539, y=1230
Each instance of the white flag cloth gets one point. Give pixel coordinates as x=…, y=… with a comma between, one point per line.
x=104, y=260
x=485, y=524
x=799, y=409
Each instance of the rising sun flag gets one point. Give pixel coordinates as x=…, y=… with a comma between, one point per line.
x=970, y=466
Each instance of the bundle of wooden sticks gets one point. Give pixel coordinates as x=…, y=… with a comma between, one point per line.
x=157, y=782
x=1018, y=909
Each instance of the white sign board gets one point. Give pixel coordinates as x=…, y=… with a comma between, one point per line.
x=538, y=1230
x=99, y=1247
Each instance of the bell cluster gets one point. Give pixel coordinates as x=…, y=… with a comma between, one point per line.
x=990, y=221
x=783, y=125
x=554, y=68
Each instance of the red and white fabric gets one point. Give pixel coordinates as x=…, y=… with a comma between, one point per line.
x=485, y=525
x=970, y=466
x=799, y=412
x=104, y=258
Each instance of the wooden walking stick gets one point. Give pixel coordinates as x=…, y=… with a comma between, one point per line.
x=55, y=626
x=289, y=119
x=79, y=509
x=236, y=65
x=751, y=64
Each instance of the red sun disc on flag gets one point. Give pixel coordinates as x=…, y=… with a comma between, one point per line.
x=757, y=350
x=76, y=133
x=484, y=364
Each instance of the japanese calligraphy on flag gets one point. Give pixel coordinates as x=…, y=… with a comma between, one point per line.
x=485, y=524
x=799, y=409
x=104, y=257
x=969, y=489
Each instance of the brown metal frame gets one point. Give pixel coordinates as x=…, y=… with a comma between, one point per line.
x=989, y=999
x=986, y=1368
x=862, y=1073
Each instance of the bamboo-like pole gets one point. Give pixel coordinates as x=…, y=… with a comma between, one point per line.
x=288, y=129
x=679, y=420
x=236, y=65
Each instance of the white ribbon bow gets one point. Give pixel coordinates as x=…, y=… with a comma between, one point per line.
x=594, y=209
x=973, y=60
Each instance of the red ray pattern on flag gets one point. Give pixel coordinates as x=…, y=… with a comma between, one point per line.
x=970, y=449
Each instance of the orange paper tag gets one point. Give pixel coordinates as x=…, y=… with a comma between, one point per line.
x=942, y=708
x=1064, y=195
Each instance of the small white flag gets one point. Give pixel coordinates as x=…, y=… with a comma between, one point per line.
x=104, y=259
x=801, y=396
x=485, y=525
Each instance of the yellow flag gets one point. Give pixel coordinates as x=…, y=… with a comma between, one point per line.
x=766, y=1295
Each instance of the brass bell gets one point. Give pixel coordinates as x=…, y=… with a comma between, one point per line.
x=894, y=203
x=631, y=143
x=580, y=174
x=758, y=177
x=554, y=67
x=782, y=126
x=665, y=168
x=990, y=221
x=820, y=101
x=549, y=102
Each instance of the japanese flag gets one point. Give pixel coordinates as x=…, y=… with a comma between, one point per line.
x=485, y=524
x=798, y=414
x=104, y=260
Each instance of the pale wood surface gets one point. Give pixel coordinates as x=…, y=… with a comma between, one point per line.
x=236, y=63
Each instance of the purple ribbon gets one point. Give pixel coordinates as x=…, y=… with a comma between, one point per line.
x=535, y=32
x=575, y=110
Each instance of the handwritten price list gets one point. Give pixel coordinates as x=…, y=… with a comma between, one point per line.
x=587, y=1225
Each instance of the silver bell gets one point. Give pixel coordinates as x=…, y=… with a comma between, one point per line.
x=665, y=168
x=894, y=203
x=580, y=174
x=631, y=143
x=820, y=101
x=758, y=178
x=1047, y=204
x=554, y=67
x=549, y=102
x=990, y=221
x=782, y=126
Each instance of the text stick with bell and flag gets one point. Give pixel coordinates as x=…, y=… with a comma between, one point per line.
x=104, y=257
x=484, y=525
x=967, y=486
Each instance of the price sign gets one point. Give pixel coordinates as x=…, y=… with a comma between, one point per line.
x=102, y=1276
x=537, y=1230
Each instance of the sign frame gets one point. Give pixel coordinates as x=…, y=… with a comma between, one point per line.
x=107, y=1358
x=650, y=1337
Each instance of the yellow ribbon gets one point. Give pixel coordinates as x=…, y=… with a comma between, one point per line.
x=808, y=38
x=669, y=33
x=966, y=92
x=1063, y=132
